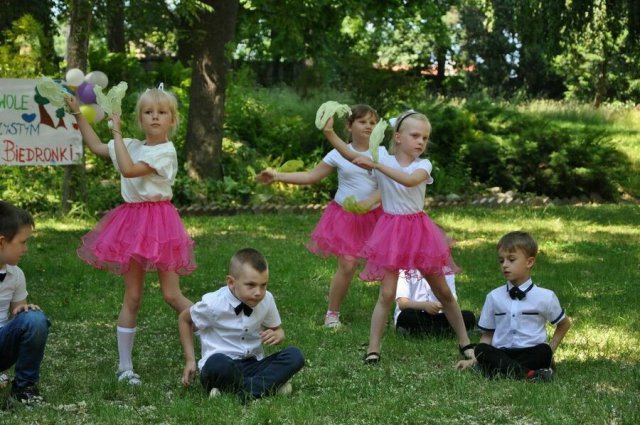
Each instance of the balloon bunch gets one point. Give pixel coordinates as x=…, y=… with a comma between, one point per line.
x=83, y=86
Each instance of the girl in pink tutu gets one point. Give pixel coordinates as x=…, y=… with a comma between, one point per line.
x=145, y=233
x=404, y=237
x=341, y=233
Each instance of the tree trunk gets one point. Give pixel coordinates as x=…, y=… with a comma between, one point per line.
x=212, y=31
x=73, y=186
x=116, y=42
x=601, y=84
x=441, y=56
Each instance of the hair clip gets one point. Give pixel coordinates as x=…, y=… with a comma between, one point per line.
x=160, y=87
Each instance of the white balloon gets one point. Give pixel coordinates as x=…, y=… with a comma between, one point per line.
x=97, y=78
x=74, y=77
x=99, y=111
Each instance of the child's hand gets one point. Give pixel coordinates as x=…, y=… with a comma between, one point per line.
x=115, y=122
x=364, y=162
x=25, y=307
x=267, y=176
x=433, y=308
x=189, y=373
x=272, y=336
x=329, y=125
x=464, y=364
x=74, y=105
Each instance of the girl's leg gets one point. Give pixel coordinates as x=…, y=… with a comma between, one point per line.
x=170, y=287
x=126, y=329
x=450, y=306
x=381, y=310
x=339, y=288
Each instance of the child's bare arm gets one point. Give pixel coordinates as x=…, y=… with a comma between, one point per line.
x=313, y=176
x=486, y=338
x=409, y=180
x=185, y=327
x=429, y=307
x=561, y=330
x=89, y=135
x=338, y=143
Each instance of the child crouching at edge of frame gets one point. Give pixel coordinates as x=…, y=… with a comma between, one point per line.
x=513, y=318
x=24, y=328
x=233, y=323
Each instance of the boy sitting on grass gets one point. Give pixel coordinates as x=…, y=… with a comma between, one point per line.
x=233, y=323
x=514, y=342
x=23, y=327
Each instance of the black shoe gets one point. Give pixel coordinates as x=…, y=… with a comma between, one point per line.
x=543, y=375
x=28, y=395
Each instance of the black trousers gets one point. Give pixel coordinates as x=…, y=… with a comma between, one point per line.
x=512, y=362
x=420, y=322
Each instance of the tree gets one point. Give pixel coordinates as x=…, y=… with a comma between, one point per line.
x=77, y=51
x=213, y=28
x=116, y=41
x=599, y=60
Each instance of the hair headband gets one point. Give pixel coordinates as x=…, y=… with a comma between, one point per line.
x=398, y=121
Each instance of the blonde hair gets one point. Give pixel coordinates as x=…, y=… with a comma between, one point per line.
x=401, y=119
x=159, y=96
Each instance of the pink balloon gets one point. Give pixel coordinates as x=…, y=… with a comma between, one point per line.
x=86, y=94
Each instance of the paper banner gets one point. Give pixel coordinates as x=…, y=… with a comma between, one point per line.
x=32, y=131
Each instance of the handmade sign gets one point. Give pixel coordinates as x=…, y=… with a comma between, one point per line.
x=35, y=130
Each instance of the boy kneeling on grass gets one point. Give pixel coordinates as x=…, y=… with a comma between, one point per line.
x=514, y=342
x=233, y=323
x=23, y=327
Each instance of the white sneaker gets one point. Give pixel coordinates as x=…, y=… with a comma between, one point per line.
x=4, y=380
x=285, y=389
x=332, y=320
x=214, y=393
x=129, y=377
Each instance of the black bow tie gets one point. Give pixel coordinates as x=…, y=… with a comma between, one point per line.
x=243, y=307
x=2, y=276
x=516, y=292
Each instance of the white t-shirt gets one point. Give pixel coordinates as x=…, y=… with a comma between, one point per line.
x=12, y=289
x=520, y=323
x=222, y=331
x=352, y=180
x=415, y=287
x=152, y=187
x=398, y=198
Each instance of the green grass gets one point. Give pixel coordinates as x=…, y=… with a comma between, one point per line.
x=589, y=257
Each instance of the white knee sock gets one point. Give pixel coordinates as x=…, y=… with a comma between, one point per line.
x=125, y=338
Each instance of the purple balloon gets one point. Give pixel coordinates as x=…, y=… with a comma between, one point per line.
x=86, y=94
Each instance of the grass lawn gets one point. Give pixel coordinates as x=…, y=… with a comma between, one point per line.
x=589, y=256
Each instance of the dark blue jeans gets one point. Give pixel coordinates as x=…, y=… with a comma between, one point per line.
x=251, y=378
x=22, y=342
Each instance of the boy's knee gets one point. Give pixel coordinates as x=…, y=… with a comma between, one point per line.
x=296, y=356
x=35, y=320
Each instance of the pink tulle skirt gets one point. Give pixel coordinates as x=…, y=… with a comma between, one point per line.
x=149, y=233
x=410, y=241
x=341, y=233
